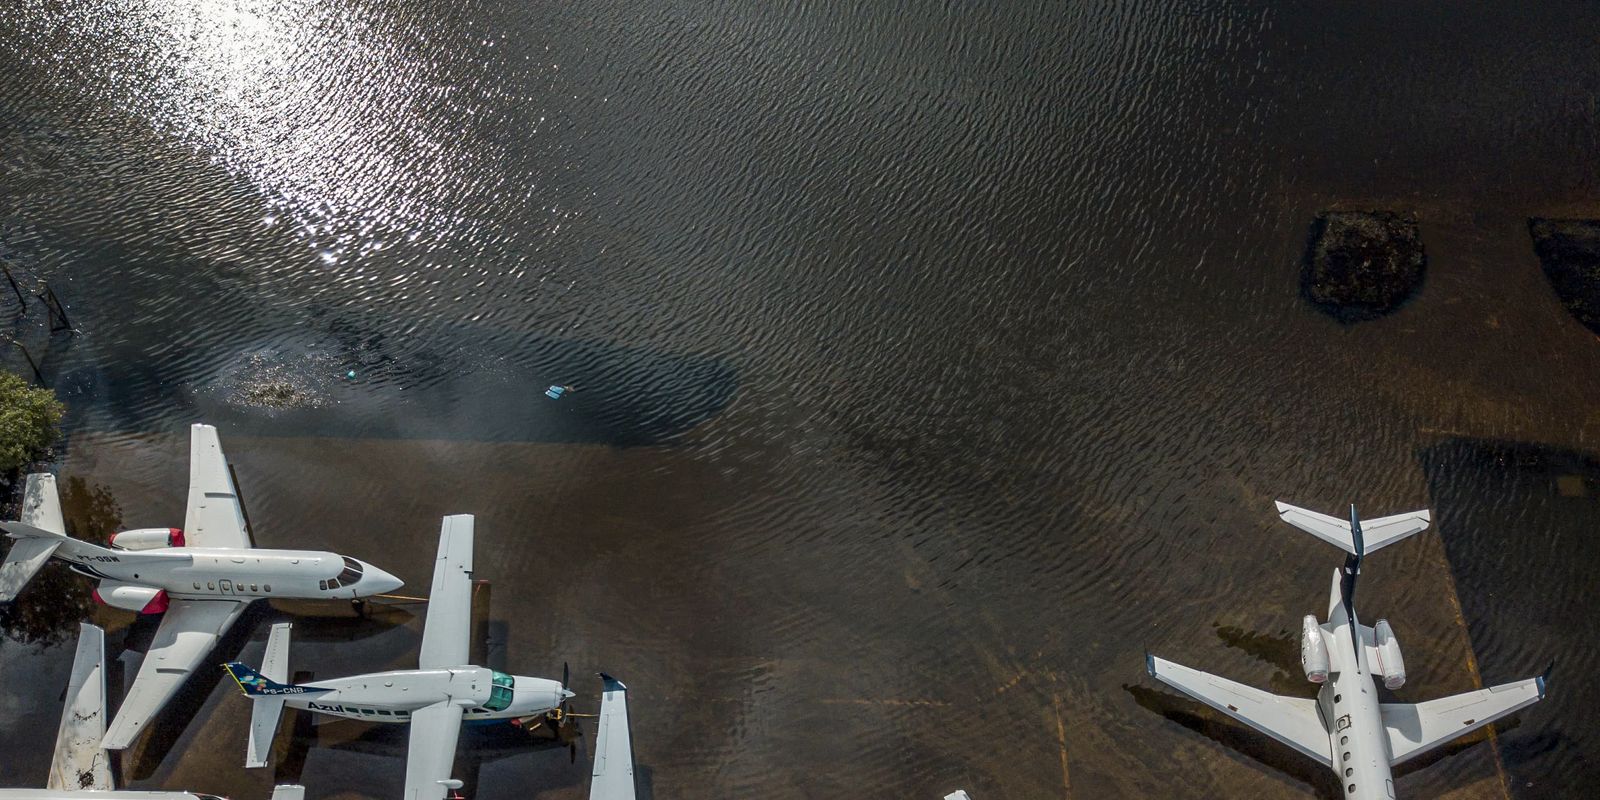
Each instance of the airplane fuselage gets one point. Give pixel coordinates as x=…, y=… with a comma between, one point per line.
x=210, y=573
x=392, y=696
x=1350, y=710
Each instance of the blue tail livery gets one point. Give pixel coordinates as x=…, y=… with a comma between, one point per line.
x=255, y=684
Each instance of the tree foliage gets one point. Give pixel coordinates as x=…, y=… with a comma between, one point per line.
x=28, y=419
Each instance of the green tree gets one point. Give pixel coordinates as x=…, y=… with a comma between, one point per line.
x=28, y=419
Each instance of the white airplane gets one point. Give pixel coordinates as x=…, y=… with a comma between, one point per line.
x=80, y=769
x=435, y=698
x=203, y=575
x=1347, y=728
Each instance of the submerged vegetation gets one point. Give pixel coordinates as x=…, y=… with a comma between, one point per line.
x=1569, y=252
x=1362, y=265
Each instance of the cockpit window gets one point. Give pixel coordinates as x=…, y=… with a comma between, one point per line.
x=352, y=571
x=500, y=692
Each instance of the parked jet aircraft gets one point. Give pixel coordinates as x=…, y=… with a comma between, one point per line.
x=1346, y=728
x=80, y=769
x=435, y=698
x=203, y=575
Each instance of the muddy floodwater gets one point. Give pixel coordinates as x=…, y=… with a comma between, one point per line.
x=929, y=364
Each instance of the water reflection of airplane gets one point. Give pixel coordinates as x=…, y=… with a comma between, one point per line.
x=203, y=575
x=80, y=768
x=1346, y=728
x=435, y=699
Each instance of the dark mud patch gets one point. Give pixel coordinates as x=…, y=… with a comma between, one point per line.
x=1362, y=265
x=1569, y=252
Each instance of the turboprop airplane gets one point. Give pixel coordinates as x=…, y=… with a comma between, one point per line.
x=203, y=575
x=435, y=698
x=1346, y=728
x=80, y=769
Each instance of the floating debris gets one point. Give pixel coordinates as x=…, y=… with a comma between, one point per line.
x=276, y=380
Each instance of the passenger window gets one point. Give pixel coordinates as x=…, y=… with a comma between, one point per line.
x=196, y=584
x=382, y=713
x=252, y=587
x=212, y=585
x=267, y=586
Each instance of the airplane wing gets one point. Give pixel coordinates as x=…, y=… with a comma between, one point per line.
x=1416, y=728
x=432, y=751
x=1291, y=720
x=41, y=509
x=187, y=635
x=446, y=631
x=79, y=763
x=613, y=746
x=214, y=518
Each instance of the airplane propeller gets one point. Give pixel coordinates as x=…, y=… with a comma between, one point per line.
x=561, y=721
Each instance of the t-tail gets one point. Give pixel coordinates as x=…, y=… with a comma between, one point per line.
x=267, y=691
x=1355, y=537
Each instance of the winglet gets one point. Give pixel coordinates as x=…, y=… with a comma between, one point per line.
x=1149, y=664
x=1543, y=680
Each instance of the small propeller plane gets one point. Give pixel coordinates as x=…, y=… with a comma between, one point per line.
x=81, y=769
x=1346, y=728
x=435, y=698
x=202, y=576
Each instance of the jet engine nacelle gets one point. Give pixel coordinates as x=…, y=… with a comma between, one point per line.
x=128, y=597
x=147, y=539
x=1313, y=650
x=1390, y=664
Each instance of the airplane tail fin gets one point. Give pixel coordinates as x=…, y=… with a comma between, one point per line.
x=287, y=792
x=38, y=535
x=79, y=761
x=1355, y=536
x=267, y=691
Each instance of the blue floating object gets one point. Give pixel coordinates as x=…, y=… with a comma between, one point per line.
x=351, y=375
x=555, y=392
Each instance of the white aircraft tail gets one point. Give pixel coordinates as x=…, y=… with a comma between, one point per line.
x=79, y=762
x=37, y=535
x=266, y=710
x=1354, y=536
x=289, y=793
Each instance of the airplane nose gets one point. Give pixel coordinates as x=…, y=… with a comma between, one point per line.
x=376, y=581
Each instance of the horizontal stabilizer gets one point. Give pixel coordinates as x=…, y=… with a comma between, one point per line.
x=26, y=558
x=264, y=715
x=79, y=762
x=41, y=506
x=1416, y=728
x=275, y=664
x=1291, y=720
x=1375, y=534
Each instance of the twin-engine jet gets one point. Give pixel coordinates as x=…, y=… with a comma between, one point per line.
x=1347, y=728
x=434, y=699
x=80, y=768
x=202, y=575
